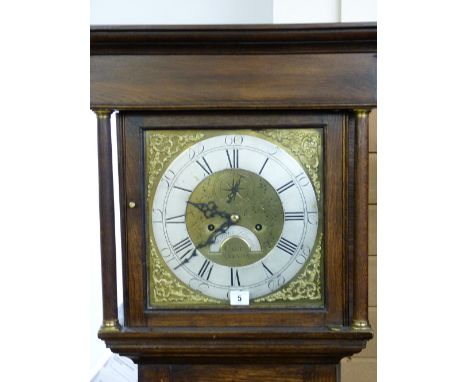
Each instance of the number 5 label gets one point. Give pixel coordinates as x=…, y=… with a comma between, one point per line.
x=239, y=297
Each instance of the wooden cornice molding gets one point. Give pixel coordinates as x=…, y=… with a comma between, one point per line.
x=296, y=345
x=234, y=39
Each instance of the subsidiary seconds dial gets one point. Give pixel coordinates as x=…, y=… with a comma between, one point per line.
x=235, y=212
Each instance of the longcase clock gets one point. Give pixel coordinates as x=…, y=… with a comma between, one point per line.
x=243, y=197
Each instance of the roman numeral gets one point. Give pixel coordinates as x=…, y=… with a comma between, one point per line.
x=181, y=245
x=176, y=219
x=204, y=269
x=287, y=246
x=186, y=253
x=288, y=216
x=285, y=187
x=235, y=278
x=267, y=269
x=234, y=161
x=183, y=189
x=205, y=167
x=264, y=164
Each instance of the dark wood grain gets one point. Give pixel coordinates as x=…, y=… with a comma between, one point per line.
x=235, y=351
x=236, y=345
x=334, y=213
x=106, y=216
x=120, y=129
x=236, y=373
x=360, y=280
x=233, y=39
x=133, y=225
x=249, y=81
x=349, y=217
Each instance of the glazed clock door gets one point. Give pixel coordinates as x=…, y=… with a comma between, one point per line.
x=231, y=218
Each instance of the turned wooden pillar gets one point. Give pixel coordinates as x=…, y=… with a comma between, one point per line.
x=360, y=284
x=107, y=222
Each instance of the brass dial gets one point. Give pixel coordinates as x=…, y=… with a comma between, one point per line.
x=248, y=204
x=235, y=213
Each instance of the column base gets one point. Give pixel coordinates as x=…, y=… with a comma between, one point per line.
x=360, y=325
x=110, y=326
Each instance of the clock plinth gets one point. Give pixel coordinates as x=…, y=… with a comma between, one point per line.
x=242, y=168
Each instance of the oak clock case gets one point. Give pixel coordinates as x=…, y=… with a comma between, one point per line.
x=234, y=217
x=200, y=111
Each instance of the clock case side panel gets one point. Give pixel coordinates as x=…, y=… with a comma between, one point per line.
x=122, y=198
x=350, y=215
x=132, y=125
x=131, y=234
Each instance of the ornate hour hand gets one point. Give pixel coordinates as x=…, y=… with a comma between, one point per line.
x=210, y=210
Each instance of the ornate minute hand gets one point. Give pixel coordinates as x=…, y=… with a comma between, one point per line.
x=186, y=260
x=211, y=239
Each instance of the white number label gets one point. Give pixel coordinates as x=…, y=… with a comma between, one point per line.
x=239, y=297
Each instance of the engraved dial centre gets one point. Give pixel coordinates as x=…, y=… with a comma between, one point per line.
x=243, y=201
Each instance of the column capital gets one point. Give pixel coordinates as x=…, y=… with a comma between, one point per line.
x=103, y=113
x=362, y=113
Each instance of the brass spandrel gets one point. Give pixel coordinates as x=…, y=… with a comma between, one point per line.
x=166, y=290
x=306, y=286
x=306, y=146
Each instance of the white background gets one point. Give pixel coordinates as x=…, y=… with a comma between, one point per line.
x=49, y=243
x=231, y=11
